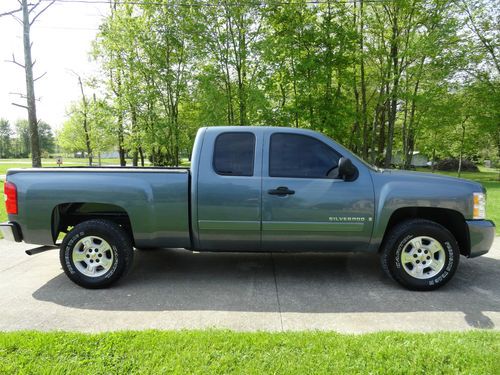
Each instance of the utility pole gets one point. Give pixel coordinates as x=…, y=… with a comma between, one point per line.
x=26, y=9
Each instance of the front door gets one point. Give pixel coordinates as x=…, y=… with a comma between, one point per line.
x=304, y=207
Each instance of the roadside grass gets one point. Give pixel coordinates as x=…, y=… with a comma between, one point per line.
x=213, y=351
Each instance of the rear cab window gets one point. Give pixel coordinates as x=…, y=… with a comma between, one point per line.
x=234, y=154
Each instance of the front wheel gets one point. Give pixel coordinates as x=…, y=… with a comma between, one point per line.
x=96, y=253
x=420, y=255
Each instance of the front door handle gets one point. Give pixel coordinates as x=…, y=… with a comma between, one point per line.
x=281, y=191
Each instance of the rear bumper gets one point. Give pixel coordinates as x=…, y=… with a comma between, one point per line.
x=481, y=234
x=11, y=232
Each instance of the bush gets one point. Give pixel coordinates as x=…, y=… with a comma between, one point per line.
x=451, y=164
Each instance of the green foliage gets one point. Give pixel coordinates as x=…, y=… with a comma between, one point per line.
x=202, y=352
x=71, y=138
x=378, y=77
x=5, y=139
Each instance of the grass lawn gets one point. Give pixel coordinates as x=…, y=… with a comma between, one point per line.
x=474, y=352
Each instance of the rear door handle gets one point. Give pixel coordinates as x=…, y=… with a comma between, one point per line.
x=281, y=191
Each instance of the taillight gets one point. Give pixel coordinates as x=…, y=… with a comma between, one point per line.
x=10, y=192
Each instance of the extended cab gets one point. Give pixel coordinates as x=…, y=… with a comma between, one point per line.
x=251, y=189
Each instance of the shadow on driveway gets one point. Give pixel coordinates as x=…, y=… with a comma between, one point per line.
x=178, y=280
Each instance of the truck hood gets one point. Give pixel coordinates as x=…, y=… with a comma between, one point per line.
x=423, y=177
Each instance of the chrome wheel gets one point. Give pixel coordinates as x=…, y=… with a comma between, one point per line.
x=92, y=256
x=423, y=257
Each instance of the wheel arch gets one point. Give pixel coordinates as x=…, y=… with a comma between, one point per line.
x=452, y=220
x=66, y=215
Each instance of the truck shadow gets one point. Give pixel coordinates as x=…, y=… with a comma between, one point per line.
x=178, y=280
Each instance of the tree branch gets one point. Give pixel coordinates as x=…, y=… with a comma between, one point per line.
x=36, y=79
x=19, y=105
x=43, y=10
x=11, y=13
x=15, y=62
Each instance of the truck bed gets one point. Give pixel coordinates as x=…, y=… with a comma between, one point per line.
x=154, y=200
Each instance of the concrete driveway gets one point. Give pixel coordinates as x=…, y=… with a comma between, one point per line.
x=175, y=289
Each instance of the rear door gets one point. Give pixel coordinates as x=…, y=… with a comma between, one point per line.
x=304, y=207
x=229, y=190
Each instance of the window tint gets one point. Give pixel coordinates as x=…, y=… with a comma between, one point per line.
x=294, y=155
x=234, y=154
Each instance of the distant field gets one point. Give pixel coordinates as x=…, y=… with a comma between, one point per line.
x=487, y=177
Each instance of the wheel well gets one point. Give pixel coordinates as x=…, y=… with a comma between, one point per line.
x=68, y=215
x=450, y=219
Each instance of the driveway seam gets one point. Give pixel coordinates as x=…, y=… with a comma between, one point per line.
x=276, y=287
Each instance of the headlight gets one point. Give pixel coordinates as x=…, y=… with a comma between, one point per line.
x=479, y=206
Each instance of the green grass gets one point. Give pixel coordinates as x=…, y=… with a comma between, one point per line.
x=221, y=352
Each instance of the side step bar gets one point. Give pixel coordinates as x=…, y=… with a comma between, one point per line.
x=41, y=249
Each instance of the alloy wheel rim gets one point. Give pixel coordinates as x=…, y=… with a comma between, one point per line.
x=423, y=257
x=92, y=256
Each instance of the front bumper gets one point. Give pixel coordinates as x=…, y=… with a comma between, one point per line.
x=481, y=235
x=11, y=232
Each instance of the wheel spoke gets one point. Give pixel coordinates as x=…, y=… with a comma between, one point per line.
x=91, y=268
x=87, y=243
x=407, y=257
x=416, y=243
x=434, y=247
x=79, y=256
x=418, y=271
x=105, y=262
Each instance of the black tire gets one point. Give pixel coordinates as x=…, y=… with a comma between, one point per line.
x=397, y=242
x=121, y=248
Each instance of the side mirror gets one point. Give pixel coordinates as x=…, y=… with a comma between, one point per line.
x=347, y=170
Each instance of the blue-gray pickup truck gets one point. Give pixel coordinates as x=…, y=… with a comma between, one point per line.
x=251, y=189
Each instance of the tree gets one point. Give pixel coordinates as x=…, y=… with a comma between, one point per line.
x=5, y=138
x=27, y=9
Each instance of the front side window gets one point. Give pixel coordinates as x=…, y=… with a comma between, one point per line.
x=234, y=154
x=295, y=155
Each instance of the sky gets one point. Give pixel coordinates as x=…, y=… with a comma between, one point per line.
x=61, y=38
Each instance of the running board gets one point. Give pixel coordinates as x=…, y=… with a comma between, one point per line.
x=41, y=249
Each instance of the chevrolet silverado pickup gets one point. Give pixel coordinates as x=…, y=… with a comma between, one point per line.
x=251, y=189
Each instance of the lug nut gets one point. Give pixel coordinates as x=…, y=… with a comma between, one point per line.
x=416, y=261
x=100, y=255
x=91, y=261
x=428, y=258
x=423, y=262
x=419, y=250
x=88, y=256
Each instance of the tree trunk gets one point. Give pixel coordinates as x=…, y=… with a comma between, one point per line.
x=364, y=117
x=462, y=141
x=36, y=159
x=395, y=88
x=85, y=114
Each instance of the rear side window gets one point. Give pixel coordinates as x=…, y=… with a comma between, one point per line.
x=295, y=155
x=234, y=154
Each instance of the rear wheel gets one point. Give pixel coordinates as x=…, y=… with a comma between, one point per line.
x=420, y=255
x=96, y=253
